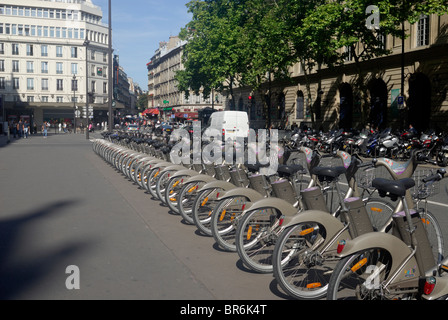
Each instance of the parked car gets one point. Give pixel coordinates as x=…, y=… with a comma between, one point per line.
x=132, y=127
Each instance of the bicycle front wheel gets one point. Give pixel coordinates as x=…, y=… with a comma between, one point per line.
x=300, y=266
x=255, y=238
x=224, y=221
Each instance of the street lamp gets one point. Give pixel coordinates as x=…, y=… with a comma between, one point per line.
x=109, y=70
x=74, y=88
x=86, y=44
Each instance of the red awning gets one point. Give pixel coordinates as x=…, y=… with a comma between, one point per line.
x=186, y=115
x=151, y=112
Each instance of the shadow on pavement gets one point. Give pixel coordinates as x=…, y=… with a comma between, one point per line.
x=19, y=274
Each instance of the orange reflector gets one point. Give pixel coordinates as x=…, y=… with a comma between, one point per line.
x=249, y=233
x=222, y=215
x=172, y=199
x=176, y=183
x=425, y=221
x=306, y=231
x=314, y=285
x=204, y=202
x=191, y=189
x=157, y=173
x=357, y=266
x=376, y=209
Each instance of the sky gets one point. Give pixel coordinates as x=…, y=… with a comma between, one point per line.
x=137, y=28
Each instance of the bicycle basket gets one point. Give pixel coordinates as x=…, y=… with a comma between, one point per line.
x=365, y=177
x=424, y=190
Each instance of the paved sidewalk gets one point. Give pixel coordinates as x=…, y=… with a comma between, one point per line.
x=61, y=205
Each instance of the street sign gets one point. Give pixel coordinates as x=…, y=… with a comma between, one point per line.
x=166, y=101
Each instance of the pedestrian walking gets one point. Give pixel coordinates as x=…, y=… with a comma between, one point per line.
x=20, y=128
x=25, y=129
x=60, y=127
x=44, y=129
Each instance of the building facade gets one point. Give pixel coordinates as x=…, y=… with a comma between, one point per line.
x=53, y=60
x=338, y=100
x=162, y=86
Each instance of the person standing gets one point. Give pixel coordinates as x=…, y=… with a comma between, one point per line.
x=25, y=129
x=44, y=129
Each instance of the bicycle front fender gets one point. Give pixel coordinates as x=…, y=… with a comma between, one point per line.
x=161, y=165
x=284, y=207
x=184, y=172
x=173, y=167
x=200, y=178
x=249, y=194
x=218, y=184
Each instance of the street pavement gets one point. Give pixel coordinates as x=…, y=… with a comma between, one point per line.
x=62, y=206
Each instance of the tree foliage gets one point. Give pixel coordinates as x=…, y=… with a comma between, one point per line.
x=251, y=43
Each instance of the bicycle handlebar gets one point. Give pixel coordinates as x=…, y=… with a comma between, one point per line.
x=435, y=177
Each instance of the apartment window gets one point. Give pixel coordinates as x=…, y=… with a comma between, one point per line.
x=93, y=87
x=44, y=50
x=29, y=50
x=104, y=87
x=29, y=66
x=2, y=83
x=30, y=84
x=58, y=32
x=15, y=65
x=92, y=54
x=74, y=68
x=74, y=52
x=59, y=99
x=348, y=53
x=44, y=99
x=93, y=71
x=2, y=65
x=423, y=31
x=59, y=68
x=15, y=83
x=44, y=83
x=15, y=49
x=44, y=67
x=30, y=99
x=59, y=84
x=1, y=28
x=59, y=51
x=2, y=48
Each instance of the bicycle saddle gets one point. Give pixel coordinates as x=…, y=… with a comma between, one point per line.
x=393, y=187
x=255, y=167
x=328, y=173
x=289, y=170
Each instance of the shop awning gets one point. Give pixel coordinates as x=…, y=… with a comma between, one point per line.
x=152, y=111
x=186, y=115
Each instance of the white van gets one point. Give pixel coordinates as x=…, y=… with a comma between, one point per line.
x=231, y=124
